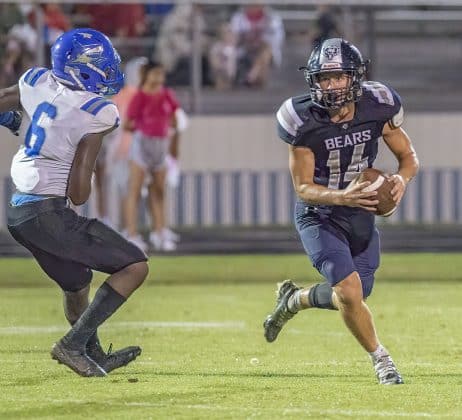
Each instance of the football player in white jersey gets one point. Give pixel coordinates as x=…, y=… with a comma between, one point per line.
x=65, y=115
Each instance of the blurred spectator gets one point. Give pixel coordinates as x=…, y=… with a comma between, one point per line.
x=20, y=50
x=10, y=15
x=174, y=43
x=173, y=167
x=151, y=115
x=56, y=23
x=118, y=19
x=223, y=58
x=260, y=34
x=22, y=39
x=326, y=25
x=113, y=163
x=161, y=9
x=155, y=14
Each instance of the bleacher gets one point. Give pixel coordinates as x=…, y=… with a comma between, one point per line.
x=418, y=50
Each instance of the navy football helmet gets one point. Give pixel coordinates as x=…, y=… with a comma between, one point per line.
x=335, y=55
x=85, y=59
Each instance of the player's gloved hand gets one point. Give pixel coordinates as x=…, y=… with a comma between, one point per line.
x=355, y=196
x=400, y=187
x=11, y=120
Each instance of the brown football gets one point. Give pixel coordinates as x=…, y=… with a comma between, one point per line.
x=381, y=183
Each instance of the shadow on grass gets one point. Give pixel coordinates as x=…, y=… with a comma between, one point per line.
x=18, y=351
x=240, y=374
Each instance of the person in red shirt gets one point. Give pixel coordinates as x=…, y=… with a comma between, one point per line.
x=112, y=170
x=151, y=117
x=120, y=20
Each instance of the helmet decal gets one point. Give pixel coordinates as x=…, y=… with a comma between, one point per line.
x=331, y=55
x=330, y=51
x=89, y=54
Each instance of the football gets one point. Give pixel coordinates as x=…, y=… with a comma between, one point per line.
x=381, y=183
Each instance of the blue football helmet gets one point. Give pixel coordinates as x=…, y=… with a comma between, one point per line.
x=85, y=59
x=335, y=55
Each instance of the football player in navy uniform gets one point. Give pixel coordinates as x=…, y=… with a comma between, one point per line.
x=333, y=134
x=62, y=116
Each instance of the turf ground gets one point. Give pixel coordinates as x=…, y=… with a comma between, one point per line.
x=199, y=320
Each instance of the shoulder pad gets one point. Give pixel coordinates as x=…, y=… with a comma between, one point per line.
x=94, y=105
x=32, y=75
x=105, y=113
x=381, y=93
x=288, y=116
x=109, y=115
x=386, y=102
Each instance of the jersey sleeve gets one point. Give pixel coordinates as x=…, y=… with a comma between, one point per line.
x=387, y=102
x=288, y=122
x=397, y=115
x=106, y=118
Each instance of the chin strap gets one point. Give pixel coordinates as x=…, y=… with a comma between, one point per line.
x=79, y=83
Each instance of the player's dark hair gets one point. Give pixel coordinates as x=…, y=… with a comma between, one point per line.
x=146, y=68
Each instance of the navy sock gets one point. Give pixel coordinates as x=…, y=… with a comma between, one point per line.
x=104, y=304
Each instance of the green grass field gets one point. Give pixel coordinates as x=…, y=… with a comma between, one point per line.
x=199, y=321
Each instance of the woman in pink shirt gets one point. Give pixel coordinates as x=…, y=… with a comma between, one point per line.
x=151, y=116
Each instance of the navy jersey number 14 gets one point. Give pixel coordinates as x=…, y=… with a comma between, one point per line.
x=357, y=164
x=35, y=136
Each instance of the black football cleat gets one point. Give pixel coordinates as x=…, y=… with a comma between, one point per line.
x=111, y=361
x=281, y=314
x=386, y=371
x=77, y=360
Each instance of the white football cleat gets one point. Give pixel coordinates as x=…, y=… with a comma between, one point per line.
x=386, y=371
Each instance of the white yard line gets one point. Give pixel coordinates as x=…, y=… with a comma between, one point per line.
x=294, y=410
x=257, y=410
x=29, y=329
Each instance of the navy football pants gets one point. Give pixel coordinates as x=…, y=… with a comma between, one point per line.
x=329, y=251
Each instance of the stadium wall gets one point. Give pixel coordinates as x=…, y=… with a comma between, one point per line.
x=235, y=172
